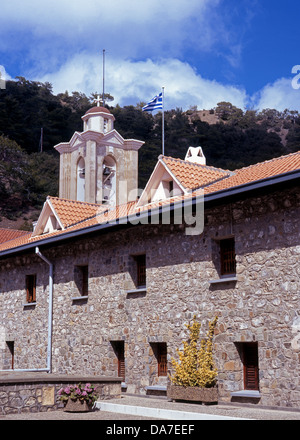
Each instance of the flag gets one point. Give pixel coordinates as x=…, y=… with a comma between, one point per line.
x=156, y=103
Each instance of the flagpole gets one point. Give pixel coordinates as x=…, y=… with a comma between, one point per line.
x=163, y=121
x=103, y=100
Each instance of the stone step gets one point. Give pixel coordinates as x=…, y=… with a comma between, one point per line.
x=158, y=413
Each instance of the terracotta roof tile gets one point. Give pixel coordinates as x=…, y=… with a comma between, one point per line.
x=71, y=212
x=263, y=170
x=10, y=234
x=193, y=175
x=79, y=215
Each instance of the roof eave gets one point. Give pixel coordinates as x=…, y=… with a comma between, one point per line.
x=250, y=186
x=258, y=184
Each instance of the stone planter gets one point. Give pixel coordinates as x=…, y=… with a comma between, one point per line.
x=193, y=394
x=77, y=406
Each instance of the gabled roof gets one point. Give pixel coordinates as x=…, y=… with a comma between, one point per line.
x=66, y=212
x=79, y=217
x=193, y=175
x=71, y=212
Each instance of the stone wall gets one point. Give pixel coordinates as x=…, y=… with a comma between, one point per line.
x=262, y=305
x=39, y=393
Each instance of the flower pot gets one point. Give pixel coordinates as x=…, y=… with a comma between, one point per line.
x=193, y=394
x=77, y=406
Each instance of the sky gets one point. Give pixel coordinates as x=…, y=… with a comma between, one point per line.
x=202, y=52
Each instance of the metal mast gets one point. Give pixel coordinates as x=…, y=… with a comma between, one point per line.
x=103, y=99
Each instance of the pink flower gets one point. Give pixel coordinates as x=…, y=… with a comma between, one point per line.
x=88, y=388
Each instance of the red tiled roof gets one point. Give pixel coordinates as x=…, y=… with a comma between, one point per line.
x=71, y=212
x=76, y=216
x=10, y=234
x=263, y=170
x=193, y=175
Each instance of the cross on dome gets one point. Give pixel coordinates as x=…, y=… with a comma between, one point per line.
x=98, y=100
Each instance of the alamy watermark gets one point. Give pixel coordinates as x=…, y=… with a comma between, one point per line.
x=188, y=212
x=296, y=79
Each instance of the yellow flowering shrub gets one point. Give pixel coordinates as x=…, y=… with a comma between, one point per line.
x=195, y=367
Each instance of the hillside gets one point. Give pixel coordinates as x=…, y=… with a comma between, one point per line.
x=33, y=120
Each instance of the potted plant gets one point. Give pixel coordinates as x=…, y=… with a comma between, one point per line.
x=78, y=397
x=195, y=375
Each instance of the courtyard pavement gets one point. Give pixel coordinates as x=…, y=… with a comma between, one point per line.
x=150, y=408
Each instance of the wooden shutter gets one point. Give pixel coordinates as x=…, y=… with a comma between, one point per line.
x=141, y=270
x=250, y=359
x=119, y=350
x=121, y=359
x=121, y=366
x=30, y=288
x=85, y=280
x=162, y=359
x=227, y=250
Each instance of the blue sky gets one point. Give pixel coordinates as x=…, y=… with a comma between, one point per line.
x=201, y=51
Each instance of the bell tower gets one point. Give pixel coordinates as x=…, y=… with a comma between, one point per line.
x=98, y=165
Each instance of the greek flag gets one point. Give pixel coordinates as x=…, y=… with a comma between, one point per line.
x=156, y=103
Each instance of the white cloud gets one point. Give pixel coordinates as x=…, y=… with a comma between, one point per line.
x=279, y=95
x=123, y=26
x=131, y=82
x=3, y=74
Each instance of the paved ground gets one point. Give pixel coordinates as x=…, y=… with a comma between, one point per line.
x=254, y=413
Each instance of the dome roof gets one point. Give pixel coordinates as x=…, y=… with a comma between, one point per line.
x=98, y=110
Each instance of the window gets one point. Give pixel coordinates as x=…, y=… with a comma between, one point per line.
x=168, y=186
x=9, y=359
x=160, y=352
x=81, y=276
x=30, y=289
x=249, y=355
x=227, y=254
x=118, y=347
x=162, y=359
x=141, y=270
x=105, y=124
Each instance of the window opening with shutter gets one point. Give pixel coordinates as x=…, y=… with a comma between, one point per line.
x=119, y=350
x=160, y=353
x=227, y=252
x=141, y=270
x=251, y=370
x=162, y=359
x=31, y=288
x=81, y=275
x=11, y=354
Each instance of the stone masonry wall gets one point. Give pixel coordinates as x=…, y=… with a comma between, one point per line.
x=262, y=305
x=28, y=393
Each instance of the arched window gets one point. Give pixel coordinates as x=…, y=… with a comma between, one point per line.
x=80, y=193
x=109, y=180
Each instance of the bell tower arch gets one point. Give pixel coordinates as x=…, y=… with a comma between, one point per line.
x=98, y=165
x=80, y=184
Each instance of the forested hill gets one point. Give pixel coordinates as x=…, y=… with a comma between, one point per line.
x=33, y=120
